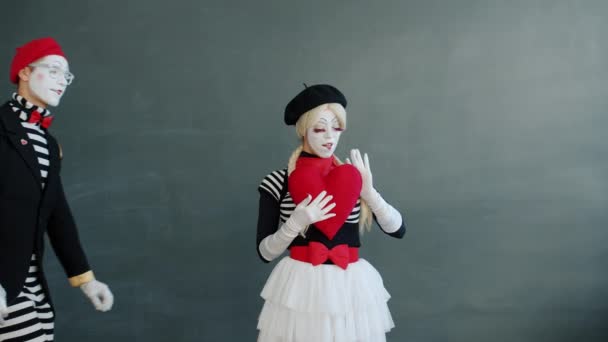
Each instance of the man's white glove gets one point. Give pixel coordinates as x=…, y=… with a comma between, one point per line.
x=306, y=213
x=99, y=294
x=388, y=218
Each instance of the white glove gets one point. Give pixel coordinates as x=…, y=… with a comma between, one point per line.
x=3, y=307
x=363, y=166
x=389, y=219
x=305, y=214
x=99, y=294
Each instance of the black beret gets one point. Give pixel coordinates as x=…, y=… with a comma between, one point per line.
x=310, y=98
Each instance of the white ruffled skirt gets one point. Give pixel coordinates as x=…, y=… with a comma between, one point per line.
x=324, y=303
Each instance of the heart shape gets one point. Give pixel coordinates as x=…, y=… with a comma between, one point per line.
x=343, y=182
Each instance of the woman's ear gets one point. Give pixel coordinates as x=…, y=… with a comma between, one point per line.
x=24, y=74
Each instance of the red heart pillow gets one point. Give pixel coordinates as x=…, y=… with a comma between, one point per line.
x=342, y=182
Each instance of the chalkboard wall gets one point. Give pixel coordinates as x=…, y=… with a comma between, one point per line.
x=485, y=122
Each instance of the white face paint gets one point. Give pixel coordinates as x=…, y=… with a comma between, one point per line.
x=324, y=134
x=48, y=79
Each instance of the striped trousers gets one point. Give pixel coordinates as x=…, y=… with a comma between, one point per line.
x=30, y=316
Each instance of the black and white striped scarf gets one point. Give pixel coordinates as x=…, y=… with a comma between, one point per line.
x=35, y=133
x=25, y=108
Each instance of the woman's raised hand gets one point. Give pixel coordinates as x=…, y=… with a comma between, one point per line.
x=362, y=164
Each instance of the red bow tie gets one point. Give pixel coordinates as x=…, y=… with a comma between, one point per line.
x=37, y=118
x=319, y=253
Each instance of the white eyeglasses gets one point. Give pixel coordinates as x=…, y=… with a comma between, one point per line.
x=54, y=72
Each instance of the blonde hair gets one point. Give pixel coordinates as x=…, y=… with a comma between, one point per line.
x=303, y=124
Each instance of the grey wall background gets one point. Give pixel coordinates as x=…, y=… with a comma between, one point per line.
x=485, y=122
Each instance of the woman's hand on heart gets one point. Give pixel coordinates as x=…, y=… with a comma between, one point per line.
x=307, y=212
x=362, y=164
x=311, y=210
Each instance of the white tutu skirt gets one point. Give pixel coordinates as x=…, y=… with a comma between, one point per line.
x=324, y=303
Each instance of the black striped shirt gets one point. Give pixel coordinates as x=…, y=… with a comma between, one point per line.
x=30, y=317
x=276, y=206
x=36, y=135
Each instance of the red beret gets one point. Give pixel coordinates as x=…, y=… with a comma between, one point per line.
x=31, y=52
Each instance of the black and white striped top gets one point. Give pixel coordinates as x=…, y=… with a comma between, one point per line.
x=30, y=316
x=274, y=183
x=32, y=289
x=36, y=135
x=276, y=206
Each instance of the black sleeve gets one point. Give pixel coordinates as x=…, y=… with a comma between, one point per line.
x=399, y=233
x=63, y=235
x=268, y=219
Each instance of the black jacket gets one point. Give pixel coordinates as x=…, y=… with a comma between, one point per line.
x=27, y=211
